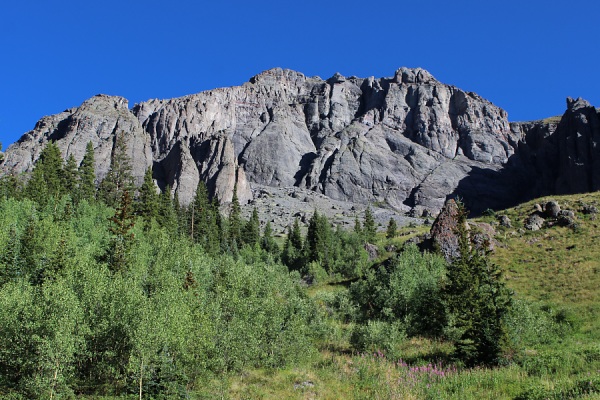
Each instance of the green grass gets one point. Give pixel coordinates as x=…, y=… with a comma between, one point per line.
x=556, y=269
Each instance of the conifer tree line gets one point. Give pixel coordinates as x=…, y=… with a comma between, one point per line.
x=322, y=250
x=111, y=289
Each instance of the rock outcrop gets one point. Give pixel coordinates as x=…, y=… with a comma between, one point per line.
x=97, y=120
x=408, y=141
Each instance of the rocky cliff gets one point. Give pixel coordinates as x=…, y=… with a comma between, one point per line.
x=407, y=141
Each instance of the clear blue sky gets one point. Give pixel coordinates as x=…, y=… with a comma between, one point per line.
x=524, y=56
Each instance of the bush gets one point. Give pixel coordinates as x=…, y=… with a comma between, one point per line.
x=405, y=289
x=377, y=336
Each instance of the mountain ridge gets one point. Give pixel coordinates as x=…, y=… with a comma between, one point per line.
x=407, y=141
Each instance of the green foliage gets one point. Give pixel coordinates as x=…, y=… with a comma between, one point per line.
x=377, y=336
x=267, y=242
x=477, y=301
x=118, y=179
x=87, y=175
x=148, y=202
x=319, y=241
x=392, y=229
x=292, y=254
x=251, y=230
x=235, y=222
x=204, y=220
x=369, y=228
x=121, y=225
x=173, y=314
x=406, y=289
x=168, y=212
x=46, y=179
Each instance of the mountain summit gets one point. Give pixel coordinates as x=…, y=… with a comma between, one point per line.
x=407, y=141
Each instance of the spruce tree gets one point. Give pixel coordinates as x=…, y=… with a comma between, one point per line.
x=121, y=225
x=148, y=202
x=87, y=175
x=369, y=227
x=9, y=258
x=319, y=241
x=10, y=187
x=292, y=254
x=70, y=177
x=251, y=232
x=478, y=300
x=235, y=221
x=119, y=178
x=167, y=213
x=267, y=242
x=358, y=227
x=46, y=177
x=392, y=229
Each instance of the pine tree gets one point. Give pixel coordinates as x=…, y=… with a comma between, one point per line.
x=319, y=241
x=167, y=213
x=267, y=242
x=235, y=221
x=292, y=254
x=69, y=176
x=148, y=203
x=392, y=229
x=369, y=228
x=10, y=187
x=478, y=299
x=119, y=178
x=358, y=227
x=251, y=232
x=87, y=175
x=46, y=177
x=121, y=225
x=9, y=258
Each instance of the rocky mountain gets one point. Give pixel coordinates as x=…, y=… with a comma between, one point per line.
x=406, y=142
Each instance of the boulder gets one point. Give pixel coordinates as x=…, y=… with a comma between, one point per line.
x=552, y=209
x=443, y=231
x=534, y=222
x=505, y=221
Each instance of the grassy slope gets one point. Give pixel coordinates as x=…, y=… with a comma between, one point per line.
x=559, y=266
x=555, y=267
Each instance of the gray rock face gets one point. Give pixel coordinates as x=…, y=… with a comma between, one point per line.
x=407, y=141
x=444, y=231
x=97, y=120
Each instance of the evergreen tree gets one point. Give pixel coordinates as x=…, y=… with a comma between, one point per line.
x=267, y=242
x=46, y=177
x=87, y=175
x=29, y=251
x=478, y=300
x=392, y=229
x=119, y=178
x=235, y=221
x=121, y=225
x=293, y=255
x=148, y=203
x=10, y=187
x=251, y=232
x=203, y=219
x=167, y=213
x=9, y=258
x=358, y=227
x=70, y=176
x=369, y=227
x=319, y=241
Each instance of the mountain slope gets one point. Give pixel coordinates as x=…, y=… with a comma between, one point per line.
x=408, y=141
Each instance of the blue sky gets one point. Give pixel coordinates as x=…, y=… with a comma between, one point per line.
x=524, y=56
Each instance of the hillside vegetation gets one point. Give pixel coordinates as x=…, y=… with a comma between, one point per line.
x=119, y=292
